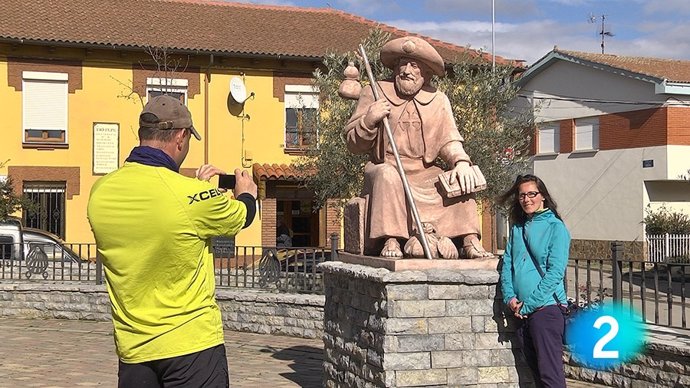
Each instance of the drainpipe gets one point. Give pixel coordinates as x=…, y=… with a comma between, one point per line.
x=207, y=78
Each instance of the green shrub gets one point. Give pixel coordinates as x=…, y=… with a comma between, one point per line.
x=663, y=220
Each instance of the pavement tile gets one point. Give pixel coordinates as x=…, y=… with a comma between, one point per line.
x=66, y=353
x=62, y=353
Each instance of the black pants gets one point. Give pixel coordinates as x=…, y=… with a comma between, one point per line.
x=207, y=368
x=541, y=337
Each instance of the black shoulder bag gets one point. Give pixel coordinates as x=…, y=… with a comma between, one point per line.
x=570, y=307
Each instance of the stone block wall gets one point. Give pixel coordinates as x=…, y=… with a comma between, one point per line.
x=417, y=328
x=260, y=312
x=62, y=301
x=662, y=364
x=243, y=309
x=601, y=249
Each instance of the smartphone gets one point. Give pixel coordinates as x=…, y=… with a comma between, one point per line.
x=226, y=181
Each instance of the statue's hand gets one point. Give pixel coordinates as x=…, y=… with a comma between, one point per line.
x=376, y=112
x=465, y=176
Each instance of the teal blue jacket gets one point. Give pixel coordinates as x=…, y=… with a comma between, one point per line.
x=549, y=241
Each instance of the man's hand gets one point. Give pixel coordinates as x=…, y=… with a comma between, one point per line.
x=464, y=175
x=207, y=171
x=376, y=112
x=244, y=183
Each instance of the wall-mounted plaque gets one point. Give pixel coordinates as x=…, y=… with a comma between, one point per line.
x=106, y=147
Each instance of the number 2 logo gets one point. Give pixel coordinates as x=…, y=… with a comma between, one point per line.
x=598, y=351
x=605, y=337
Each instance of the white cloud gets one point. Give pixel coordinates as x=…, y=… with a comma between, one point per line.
x=669, y=7
x=527, y=41
x=482, y=7
x=533, y=39
x=659, y=39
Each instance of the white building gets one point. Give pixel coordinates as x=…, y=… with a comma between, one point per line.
x=613, y=136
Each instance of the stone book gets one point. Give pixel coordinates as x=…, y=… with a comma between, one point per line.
x=454, y=189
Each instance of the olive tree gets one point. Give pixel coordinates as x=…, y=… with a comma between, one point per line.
x=10, y=202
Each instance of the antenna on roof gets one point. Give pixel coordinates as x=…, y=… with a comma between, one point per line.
x=603, y=32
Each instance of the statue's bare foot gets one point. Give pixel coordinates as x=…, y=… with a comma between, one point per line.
x=472, y=249
x=447, y=249
x=391, y=249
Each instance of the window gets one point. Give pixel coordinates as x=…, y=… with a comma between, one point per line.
x=587, y=134
x=7, y=247
x=44, y=105
x=49, y=214
x=171, y=86
x=301, y=116
x=549, y=138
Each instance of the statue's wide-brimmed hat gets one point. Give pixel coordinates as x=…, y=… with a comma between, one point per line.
x=415, y=48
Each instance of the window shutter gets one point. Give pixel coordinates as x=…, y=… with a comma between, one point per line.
x=45, y=104
x=549, y=138
x=587, y=133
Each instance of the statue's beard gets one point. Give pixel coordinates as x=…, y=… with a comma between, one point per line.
x=408, y=86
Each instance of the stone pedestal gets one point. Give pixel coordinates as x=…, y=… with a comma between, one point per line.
x=435, y=326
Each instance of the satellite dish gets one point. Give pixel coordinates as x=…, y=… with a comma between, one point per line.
x=237, y=90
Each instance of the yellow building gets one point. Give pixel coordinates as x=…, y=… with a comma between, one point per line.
x=76, y=74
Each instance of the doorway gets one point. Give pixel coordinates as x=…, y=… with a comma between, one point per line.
x=299, y=217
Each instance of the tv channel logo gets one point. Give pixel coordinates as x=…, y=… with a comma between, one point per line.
x=606, y=336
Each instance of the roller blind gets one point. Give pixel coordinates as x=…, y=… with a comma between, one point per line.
x=44, y=101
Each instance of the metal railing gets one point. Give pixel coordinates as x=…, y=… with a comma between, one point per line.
x=657, y=291
x=282, y=269
x=668, y=247
x=50, y=262
x=293, y=269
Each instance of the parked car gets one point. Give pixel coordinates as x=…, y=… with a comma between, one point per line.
x=20, y=243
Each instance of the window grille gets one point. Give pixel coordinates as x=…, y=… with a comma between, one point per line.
x=49, y=212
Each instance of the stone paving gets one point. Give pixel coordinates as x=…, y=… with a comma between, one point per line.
x=69, y=353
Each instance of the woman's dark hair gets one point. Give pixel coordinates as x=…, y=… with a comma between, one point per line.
x=510, y=197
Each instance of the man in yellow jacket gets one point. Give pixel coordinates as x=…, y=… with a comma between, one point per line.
x=153, y=228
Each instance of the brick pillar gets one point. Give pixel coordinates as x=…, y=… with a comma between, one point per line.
x=268, y=222
x=567, y=136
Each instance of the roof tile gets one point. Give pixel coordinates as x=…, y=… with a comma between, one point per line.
x=670, y=69
x=198, y=25
x=277, y=172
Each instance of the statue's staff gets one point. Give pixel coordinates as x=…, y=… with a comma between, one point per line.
x=403, y=177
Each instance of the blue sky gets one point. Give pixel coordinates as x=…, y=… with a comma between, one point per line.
x=529, y=29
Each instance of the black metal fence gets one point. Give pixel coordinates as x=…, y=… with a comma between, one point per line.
x=50, y=262
x=293, y=269
x=282, y=269
x=657, y=291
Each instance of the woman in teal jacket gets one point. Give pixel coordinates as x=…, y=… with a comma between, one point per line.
x=536, y=295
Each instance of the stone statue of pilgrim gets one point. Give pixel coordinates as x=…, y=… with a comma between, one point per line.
x=424, y=129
